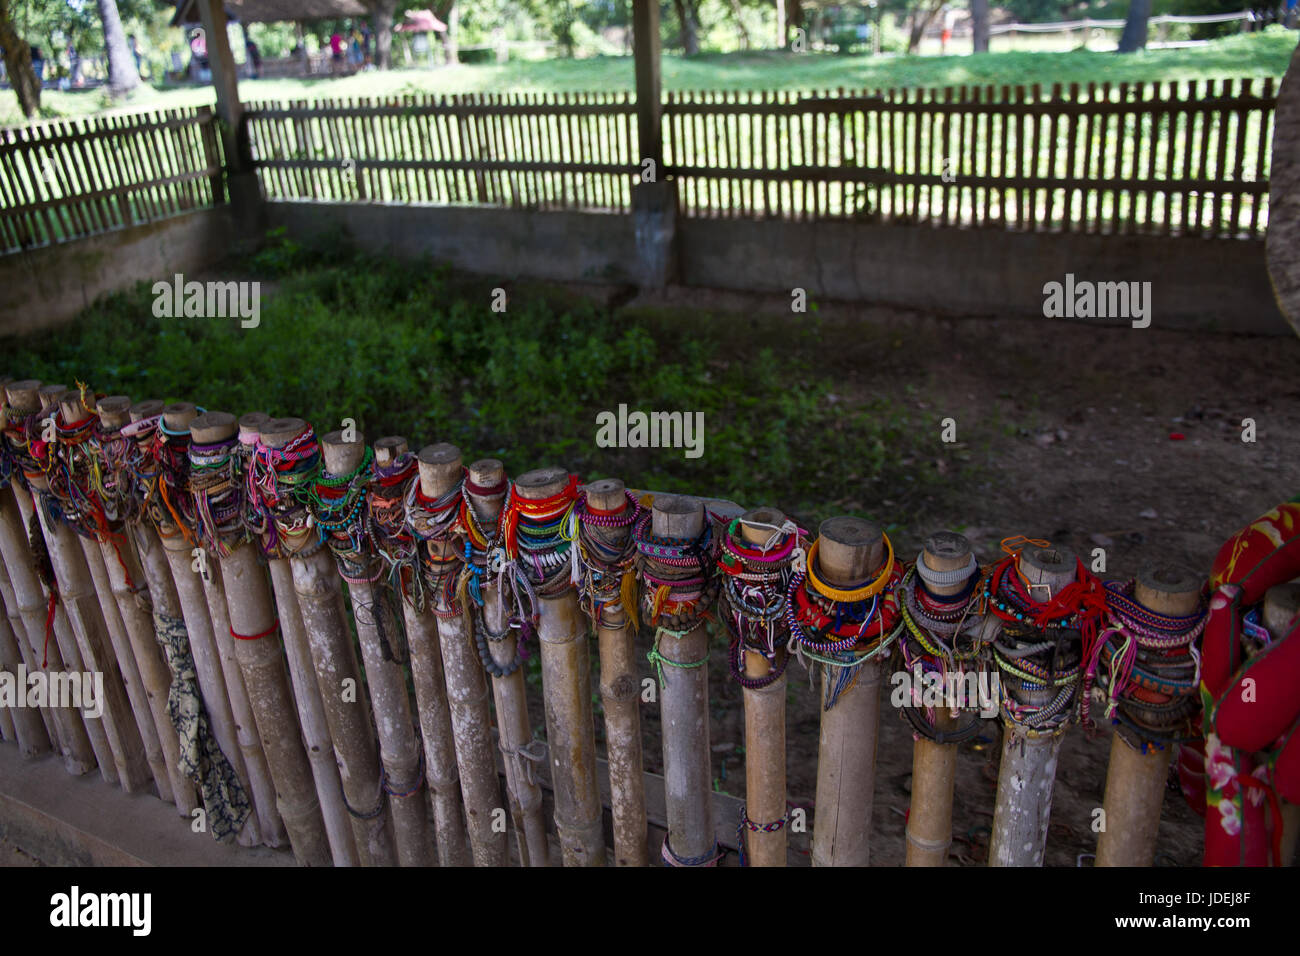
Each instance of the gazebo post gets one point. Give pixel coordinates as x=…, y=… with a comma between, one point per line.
x=241, y=180
x=654, y=198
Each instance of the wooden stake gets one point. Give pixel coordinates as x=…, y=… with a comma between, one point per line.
x=934, y=765
x=684, y=708
x=26, y=724
x=431, y=707
x=566, y=693
x=1135, y=781
x=253, y=621
x=851, y=551
x=620, y=697
x=319, y=598
x=93, y=552
x=125, y=575
x=765, y=796
x=1028, y=771
x=399, y=751
x=440, y=472
x=516, y=734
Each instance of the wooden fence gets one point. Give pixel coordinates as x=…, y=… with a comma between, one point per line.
x=1165, y=158
x=1162, y=158
x=68, y=179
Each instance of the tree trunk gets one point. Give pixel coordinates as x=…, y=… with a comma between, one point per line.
x=383, y=11
x=18, y=64
x=122, y=75
x=1134, y=37
x=688, y=18
x=979, y=13
x=1284, y=197
x=449, y=13
x=736, y=13
x=922, y=17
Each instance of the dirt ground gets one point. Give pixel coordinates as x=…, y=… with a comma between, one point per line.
x=1071, y=433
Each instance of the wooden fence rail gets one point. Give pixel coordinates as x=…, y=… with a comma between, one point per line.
x=1154, y=158
x=68, y=179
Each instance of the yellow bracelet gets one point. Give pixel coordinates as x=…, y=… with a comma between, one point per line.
x=859, y=594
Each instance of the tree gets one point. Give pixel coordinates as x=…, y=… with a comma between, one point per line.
x=122, y=74
x=18, y=64
x=382, y=13
x=1283, y=235
x=979, y=15
x=688, y=19
x=923, y=15
x=1134, y=37
x=449, y=13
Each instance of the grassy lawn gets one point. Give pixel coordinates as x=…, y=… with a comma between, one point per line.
x=408, y=349
x=1248, y=55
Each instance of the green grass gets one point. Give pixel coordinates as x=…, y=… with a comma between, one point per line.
x=1247, y=55
x=409, y=349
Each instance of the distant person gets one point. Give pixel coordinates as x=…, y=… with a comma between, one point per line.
x=74, y=67
x=336, y=52
x=355, y=56
x=38, y=65
x=134, y=46
x=367, y=44
x=949, y=21
x=254, y=59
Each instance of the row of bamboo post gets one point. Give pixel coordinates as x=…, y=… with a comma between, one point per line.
x=389, y=759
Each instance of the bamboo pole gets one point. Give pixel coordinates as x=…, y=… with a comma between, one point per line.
x=566, y=694
x=254, y=625
x=851, y=550
x=934, y=764
x=684, y=710
x=1028, y=772
x=82, y=743
x=95, y=551
x=620, y=697
x=765, y=796
x=525, y=794
x=314, y=582
x=1137, y=775
x=440, y=473
x=70, y=732
x=436, y=735
x=399, y=751
x=130, y=589
x=26, y=724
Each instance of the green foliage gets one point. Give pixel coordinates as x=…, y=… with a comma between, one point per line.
x=407, y=348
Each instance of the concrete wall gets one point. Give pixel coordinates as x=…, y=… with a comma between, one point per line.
x=48, y=287
x=1206, y=284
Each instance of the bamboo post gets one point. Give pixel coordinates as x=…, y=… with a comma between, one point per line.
x=765, y=796
x=684, y=710
x=509, y=691
x=1028, y=771
x=1135, y=780
x=399, y=752
x=253, y=624
x=94, y=552
x=620, y=697
x=440, y=473
x=129, y=585
x=934, y=764
x=566, y=694
x=851, y=550
x=431, y=707
x=314, y=582
x=26, y=724
x=1281, y=605
x=83, y=742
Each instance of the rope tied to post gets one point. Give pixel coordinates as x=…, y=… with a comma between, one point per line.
x=1042, y=644
x=746, y=824
x=843, y=628
x=277, y=487
x=932, y=645
x=755, y=581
